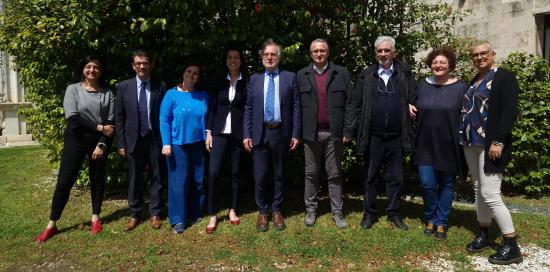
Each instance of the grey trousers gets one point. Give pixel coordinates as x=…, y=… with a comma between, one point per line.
x=487, y=188
x=326, y=150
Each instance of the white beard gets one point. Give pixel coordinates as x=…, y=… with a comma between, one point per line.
x=385, y=62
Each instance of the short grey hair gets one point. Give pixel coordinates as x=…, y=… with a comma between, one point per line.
x=482, y=42
x=270, y=42
x=319, y=40
x=382, y=39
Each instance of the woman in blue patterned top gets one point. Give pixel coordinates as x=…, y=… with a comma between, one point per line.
x=438, y=153
x=488, y=116
x=183, y=131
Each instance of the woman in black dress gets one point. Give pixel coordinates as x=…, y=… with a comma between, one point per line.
x=225, y=133
x=438, y=152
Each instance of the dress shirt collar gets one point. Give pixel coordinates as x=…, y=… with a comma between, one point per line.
x=275, y=72
x=382, y=71
x=320, y=71
x=139, y=81
x=238, y=78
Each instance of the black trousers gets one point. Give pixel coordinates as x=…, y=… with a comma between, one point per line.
x=146, y=153
x=268, y=156
x=224, y=146
x=75, y=149
x=384, y=151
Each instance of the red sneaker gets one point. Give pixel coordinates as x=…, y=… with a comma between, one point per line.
x=96, y=227
x=45, y=235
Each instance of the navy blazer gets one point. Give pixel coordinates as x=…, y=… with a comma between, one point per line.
x=291, y=118
x=220, y=106
x=127, y=115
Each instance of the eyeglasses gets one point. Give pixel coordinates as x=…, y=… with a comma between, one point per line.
x=384, y=89
x=482, y=54
x=319, y=51
x=385, y=50
x=144, y=63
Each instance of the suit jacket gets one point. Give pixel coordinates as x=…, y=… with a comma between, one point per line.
x=503, y=108
x=289, y=98
x=127, y=115
x=220, y=106
x=361, y=116
x=338, y=91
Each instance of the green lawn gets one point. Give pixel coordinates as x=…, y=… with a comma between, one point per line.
x=27, y=181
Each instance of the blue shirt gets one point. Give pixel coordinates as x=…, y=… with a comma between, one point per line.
x=148, y=94
x=277, y=107
x=183, y=117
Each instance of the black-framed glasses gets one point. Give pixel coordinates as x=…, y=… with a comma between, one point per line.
x=482, y=54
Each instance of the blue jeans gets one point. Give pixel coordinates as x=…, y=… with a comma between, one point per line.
x=185, y=182
x=437, y=191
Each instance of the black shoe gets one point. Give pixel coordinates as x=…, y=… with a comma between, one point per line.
x=368, y=220
x=397, y=221
x=429, y=229
x=507, y=253
x=441, y=232
x=481, y=241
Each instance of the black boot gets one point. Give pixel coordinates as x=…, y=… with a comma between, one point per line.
x=481, y=241
x=507, y=253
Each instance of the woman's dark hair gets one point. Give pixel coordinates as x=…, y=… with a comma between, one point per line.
x=244, y=66
x=94, y=57
x=191, y=64
x=445, y=51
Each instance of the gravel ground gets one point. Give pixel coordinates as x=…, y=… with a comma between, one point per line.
x=535, y=259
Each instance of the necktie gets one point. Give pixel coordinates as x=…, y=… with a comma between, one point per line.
x=270, y=100
x=142, y=107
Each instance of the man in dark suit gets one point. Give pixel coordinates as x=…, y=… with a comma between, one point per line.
x=272, y=126
x=325, y=91
x=138, y=137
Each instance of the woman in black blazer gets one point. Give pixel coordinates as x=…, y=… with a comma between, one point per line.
x=488, y=116
x=225, y=134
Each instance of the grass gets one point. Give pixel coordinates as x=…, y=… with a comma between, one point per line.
x=27, y=182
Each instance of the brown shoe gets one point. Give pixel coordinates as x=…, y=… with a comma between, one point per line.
x=132, y=224
x=278, y=221
x=262, y=223
x=155, y=222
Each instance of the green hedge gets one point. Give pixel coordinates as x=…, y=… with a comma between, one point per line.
x=529, y=170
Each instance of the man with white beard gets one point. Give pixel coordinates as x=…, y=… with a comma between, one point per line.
x=381, y=115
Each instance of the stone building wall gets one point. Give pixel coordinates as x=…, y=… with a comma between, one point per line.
x=510, y=25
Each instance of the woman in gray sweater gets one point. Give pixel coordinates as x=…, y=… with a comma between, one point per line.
x=89, y=110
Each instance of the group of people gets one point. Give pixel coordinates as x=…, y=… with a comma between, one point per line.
x=442, y=120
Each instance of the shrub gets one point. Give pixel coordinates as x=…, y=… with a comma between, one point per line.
x=529, y=170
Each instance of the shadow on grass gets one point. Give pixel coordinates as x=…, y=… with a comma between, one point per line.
x=293, y=204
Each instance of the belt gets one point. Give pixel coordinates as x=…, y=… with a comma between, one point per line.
x=272, y=125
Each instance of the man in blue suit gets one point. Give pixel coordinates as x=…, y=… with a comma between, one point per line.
x=137, y=108
x=272, y=126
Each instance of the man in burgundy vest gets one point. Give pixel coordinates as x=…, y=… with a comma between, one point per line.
x=325, y=92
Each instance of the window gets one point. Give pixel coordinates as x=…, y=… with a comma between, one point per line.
x=546, y=44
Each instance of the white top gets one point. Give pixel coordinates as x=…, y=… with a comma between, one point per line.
x=385, y=74
x=232, y=91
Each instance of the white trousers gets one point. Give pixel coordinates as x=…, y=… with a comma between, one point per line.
x=487, y=189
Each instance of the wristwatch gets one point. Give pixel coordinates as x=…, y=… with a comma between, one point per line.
x=497, y=143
